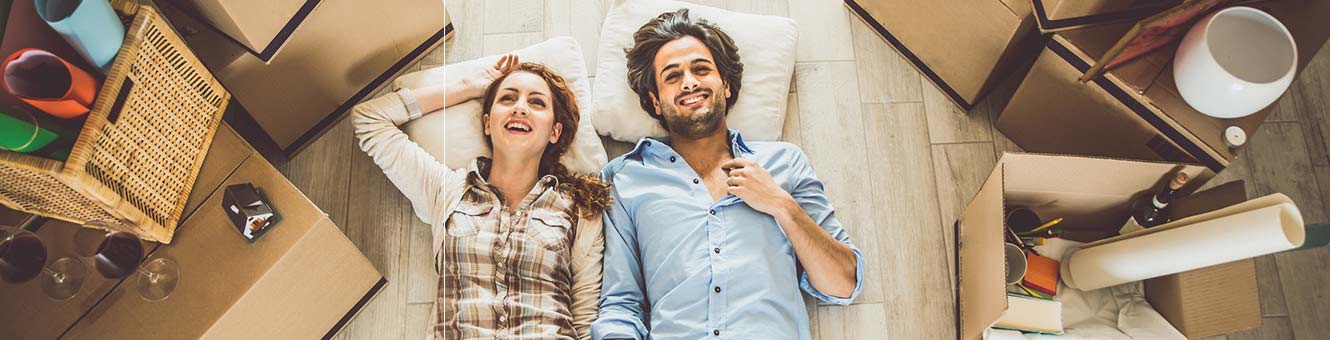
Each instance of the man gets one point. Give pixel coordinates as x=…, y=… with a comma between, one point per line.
x=710, y=236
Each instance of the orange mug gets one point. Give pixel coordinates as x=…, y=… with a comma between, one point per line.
x=49, y=83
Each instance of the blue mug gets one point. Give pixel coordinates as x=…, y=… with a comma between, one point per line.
x=91, y=26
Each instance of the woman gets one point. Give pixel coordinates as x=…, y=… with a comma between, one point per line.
x=517, y=238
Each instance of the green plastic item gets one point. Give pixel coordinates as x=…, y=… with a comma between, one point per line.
x=17, y=131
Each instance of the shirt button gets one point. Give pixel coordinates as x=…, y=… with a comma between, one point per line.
x=648, y=143
x=718, y=289
x=713, y=212
x=716, y=332
x=717, y=250
x=672, y=159
x=695, y=181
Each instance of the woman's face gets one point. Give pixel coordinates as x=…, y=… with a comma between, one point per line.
x=521, y=119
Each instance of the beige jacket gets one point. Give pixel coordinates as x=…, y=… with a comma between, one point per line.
x=435, y=192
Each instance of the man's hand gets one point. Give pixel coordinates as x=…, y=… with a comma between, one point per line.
x=754, y=185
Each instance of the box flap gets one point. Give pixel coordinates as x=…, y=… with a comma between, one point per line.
x=982, y=296
x=1056, y=186
x=1061, y=15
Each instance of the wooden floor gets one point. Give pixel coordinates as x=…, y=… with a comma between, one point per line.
x=900, y=162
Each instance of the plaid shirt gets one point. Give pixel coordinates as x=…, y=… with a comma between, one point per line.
x=506, y=273
x=530, y=273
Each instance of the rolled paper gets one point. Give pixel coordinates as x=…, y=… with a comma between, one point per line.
x=22, y=132
x=91, y=26
x=49, y=83
x=1202, y=244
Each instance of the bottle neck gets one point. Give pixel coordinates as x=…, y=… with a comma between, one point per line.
x=1162, y=199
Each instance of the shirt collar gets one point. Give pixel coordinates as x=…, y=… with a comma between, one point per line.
x=737, y=144
x=479, y=166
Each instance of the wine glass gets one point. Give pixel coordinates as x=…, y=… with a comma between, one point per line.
x=119, y=254
x=23, y=258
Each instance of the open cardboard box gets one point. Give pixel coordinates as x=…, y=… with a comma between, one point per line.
x=1134, y=111
x=1061, y=15
x=261, y=27
x=1093, y=194
x=338, y=55
x=964, y=47
x=303, y=279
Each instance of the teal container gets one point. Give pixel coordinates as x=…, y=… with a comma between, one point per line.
x=91, y=26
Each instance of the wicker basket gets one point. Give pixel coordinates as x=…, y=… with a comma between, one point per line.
x=140, y=150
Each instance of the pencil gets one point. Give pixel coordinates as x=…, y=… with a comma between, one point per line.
x=1047, y=225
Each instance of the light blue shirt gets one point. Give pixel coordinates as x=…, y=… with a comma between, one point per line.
x=680, y=266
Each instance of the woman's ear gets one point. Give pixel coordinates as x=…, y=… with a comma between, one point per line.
x=558, y=130
x=485, y=123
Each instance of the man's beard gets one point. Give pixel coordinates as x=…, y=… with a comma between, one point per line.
x=697, y=125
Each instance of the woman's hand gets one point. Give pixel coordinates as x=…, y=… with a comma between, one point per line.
x=476, y=83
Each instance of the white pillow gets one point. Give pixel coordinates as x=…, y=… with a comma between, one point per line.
x=766, y=48
x=456, y=137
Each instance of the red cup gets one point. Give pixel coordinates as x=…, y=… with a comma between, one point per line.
x=49, y=83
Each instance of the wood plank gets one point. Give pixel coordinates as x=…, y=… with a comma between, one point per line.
x=422, y=282
x=1274, y=328
x=792, y=131
x=765, y=7
x=1278, y=162
x=918, y=289
x=570, y=18
x=380, y=225
x=828, y=23
x=829, y=109
x=1312, y=86
x=860, y=321
x=417, y=321
x=323, y=170
x=948, y=123
x=960, y=169
x=1287, y=107
x=513, y=16
x=468, y=29
x=884, y=75
x=1323, y=180
x=507, y=42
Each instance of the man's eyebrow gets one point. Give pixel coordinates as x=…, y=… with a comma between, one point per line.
x=703, y=60
x=668, y=67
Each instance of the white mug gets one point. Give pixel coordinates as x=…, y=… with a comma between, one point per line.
x=1235, y=62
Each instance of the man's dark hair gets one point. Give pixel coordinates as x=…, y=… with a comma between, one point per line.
x=668, y=27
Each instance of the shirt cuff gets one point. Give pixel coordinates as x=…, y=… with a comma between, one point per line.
x=858, y=282
x=609, y=327
x=412, y=105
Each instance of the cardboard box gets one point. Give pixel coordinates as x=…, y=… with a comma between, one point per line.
x=964, y=47
x=337, y=56
x=1061, y=15
x=304, y=280
x=261, y=27
x=1134, y=111
x=41, y=318
x=1095, y=197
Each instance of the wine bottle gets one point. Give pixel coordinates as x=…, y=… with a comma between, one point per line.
x=1150, y=210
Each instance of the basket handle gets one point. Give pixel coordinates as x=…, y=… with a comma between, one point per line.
x=120, y=98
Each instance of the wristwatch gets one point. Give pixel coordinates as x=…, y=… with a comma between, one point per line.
x=412, y=106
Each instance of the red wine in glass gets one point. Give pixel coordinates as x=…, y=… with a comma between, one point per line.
x=119, y=255
x=22, y=257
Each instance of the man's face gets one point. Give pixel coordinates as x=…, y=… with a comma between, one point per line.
x=691, y=91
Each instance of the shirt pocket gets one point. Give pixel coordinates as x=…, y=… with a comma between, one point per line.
x=468, y=218
x=549, y=229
